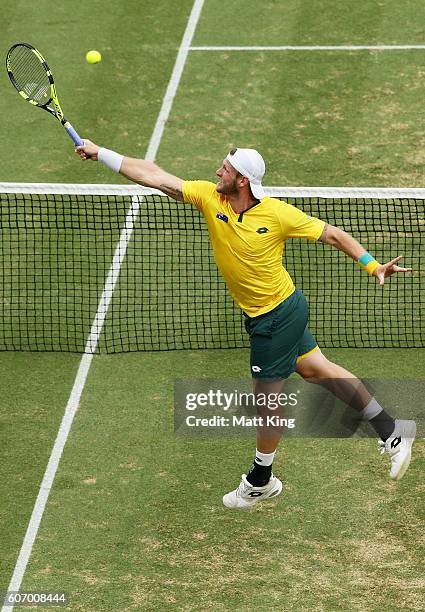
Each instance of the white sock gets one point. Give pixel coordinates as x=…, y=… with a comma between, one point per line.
x=371, y=410
x=264, y=458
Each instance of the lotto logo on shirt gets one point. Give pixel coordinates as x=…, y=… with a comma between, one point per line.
x=222, y=217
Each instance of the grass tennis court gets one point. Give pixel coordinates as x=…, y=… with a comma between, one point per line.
x=134, y=520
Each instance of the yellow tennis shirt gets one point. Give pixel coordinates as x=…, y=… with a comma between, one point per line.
x=248, y=247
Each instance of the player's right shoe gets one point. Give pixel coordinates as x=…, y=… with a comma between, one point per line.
x=399, y=447
x=246, y=495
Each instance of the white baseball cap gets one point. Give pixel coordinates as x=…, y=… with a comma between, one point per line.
x=251, y=165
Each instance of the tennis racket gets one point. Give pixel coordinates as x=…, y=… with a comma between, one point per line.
x=31, y=76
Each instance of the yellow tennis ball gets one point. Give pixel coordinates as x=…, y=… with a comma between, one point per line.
x=93, y=57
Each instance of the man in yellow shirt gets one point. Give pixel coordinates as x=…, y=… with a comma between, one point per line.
x=248, y=231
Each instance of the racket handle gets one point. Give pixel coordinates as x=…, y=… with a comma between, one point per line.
x=77, y=140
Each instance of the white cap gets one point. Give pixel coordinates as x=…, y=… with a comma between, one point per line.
x=251, y=165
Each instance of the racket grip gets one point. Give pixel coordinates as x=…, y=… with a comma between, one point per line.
x=77, y=140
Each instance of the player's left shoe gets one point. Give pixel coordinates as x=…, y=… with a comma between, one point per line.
x=246, y=495
x=399, y=447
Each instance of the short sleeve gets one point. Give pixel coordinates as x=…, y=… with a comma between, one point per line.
x=296, y=224
x=198, y=193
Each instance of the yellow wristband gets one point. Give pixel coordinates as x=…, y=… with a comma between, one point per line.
x=368, y=263
x=371, y=267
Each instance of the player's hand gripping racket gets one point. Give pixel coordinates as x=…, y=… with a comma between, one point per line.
x=30, y=74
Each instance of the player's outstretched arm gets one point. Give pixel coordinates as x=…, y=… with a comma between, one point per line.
x=140, y=171
x=343, y=241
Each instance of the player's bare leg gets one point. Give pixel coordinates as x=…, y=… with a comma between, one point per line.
x=397, y=436
x=268, y=436
x=260, y=483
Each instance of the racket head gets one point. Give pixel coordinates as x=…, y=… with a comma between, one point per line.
x=29, y=73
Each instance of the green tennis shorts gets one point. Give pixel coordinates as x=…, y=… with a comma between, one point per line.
x=279, y=338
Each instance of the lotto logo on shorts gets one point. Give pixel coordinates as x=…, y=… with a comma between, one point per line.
x=256, y=369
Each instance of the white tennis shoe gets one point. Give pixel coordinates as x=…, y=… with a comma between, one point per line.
x=246, y=495
x=399, y=447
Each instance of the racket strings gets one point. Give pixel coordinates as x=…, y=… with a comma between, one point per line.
x=30, y=75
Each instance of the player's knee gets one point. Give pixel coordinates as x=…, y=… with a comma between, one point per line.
x=316, y=367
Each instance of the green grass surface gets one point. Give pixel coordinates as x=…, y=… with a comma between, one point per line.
x=35, y=390
x=332, y=118
x=135, y=520
x=116, y=101
x=322, y=22
x=322, y=118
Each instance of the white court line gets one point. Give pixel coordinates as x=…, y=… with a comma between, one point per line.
x=96, y=329
x=74, y=400
x=312, y=48
x=175, y=80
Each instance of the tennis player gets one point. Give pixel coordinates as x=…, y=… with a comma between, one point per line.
x=248, y=231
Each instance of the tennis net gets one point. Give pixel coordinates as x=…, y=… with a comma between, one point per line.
x=103, y=268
